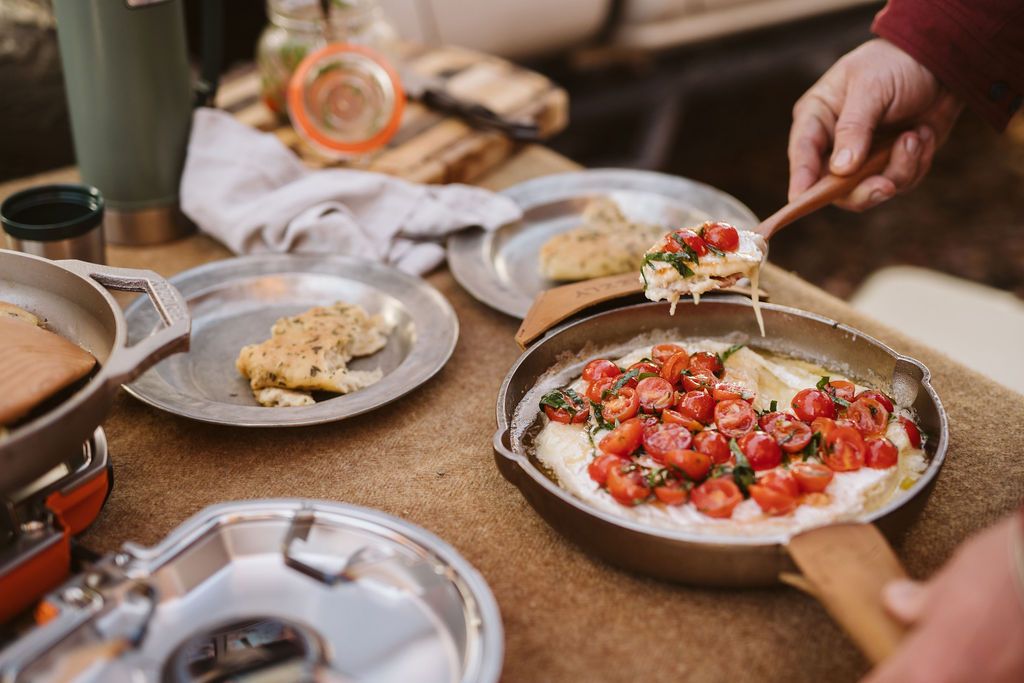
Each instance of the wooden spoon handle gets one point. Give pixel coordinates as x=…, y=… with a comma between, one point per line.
x=845, y=566
x=827, y=190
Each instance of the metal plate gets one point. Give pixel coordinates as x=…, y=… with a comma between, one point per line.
x=234, y=302
x=372, y=597
x=501, y=268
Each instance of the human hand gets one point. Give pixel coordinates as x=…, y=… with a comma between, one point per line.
x=875, y=85
x=967, y=622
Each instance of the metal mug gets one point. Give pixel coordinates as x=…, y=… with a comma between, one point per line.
x=56, y=222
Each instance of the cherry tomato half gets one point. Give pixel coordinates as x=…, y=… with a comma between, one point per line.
x=624, y=439
x=698, y=405
x=662, y=352
x=675, y=417
x=672, y=492
x=811, y=476
x=717, y=497
x=689, y=238
x=791, y=434
x=595, y=390
x=913, y=433
x=881, y=453
x=721, y=236
x=644, y=367
x=596, y=369
x=844, y=449
x=725, y=391
x=878, y=396
x=566, y=416
x=694, y=464
x=673, y=367
x=735, y=418
x=840, y=388
x=782, y=481
x=621, y=406
x=655, y=393
x=869, y=415
x=809, y=404
x=659, y=439
x=600, y=466
x=627, y=485
x=761, y=450
x=702, y=381
x=771, y=501
x=706, y=363
x=713, y=444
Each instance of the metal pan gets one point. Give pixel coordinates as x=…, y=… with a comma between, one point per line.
x=681, y=556
x=73, y=299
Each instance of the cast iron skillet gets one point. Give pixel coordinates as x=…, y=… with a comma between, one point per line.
x=70, y=295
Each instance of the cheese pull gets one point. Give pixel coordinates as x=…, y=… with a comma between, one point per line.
x=34, y=365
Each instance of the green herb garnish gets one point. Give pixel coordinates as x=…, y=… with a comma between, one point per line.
x=599, y=417
x=773, y=406
x=676, y=260
x=556, y=399
x=811, y=449
x=722, y=357
x=622, y=381
x=823, y=382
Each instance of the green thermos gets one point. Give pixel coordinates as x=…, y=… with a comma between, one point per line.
x=130, y=94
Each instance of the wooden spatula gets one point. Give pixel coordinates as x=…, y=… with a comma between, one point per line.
x=555, y=305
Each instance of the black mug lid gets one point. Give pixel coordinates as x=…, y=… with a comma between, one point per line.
x=48, y=213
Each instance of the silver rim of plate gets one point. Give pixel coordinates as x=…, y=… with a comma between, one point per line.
x=234, y=302
x=500, y=268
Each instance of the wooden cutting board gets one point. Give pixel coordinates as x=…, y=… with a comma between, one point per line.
x=429, y=147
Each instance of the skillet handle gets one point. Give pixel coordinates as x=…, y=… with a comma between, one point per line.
x=169, y=304
x=845, y=566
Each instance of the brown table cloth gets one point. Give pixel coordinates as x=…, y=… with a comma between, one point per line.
x=567, y=617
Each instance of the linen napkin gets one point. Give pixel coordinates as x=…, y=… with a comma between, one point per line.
x=249, y=191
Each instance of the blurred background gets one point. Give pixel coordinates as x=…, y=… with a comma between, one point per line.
x=697, y=88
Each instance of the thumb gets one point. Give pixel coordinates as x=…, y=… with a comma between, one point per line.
x=905, y=599
x=857, y=120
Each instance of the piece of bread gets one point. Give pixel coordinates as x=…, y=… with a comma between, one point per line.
x=606, y=243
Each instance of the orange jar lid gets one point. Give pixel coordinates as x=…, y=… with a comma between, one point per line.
x=345, y=100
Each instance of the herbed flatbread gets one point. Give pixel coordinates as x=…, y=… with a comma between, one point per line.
x=310, y=352
x=606, y=243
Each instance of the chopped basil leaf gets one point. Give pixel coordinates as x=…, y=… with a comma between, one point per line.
x=773, y=406
x=687, y=253
x=716, y=251
x=656, y=477
x=622, y=381
x=744, y=478
x=731, y=350
x=823, y=382
x=811, y=449
x=676, y=260
x=557, y=400
x=599, y=417
x=645, y=375
x=842, y=402
x=741, y=459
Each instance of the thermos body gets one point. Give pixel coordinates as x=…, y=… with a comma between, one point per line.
x=129, y=89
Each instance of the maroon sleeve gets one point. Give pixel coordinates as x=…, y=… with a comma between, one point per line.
x=975, y=47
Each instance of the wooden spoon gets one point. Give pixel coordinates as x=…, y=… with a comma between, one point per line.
x=555, y=305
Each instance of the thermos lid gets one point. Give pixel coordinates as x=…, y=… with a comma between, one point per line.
x=345, y=100
x=52, y=212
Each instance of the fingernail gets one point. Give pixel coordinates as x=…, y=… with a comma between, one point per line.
x=911, y=144
x=842, y=158
x=878, y=196
x=904, y=598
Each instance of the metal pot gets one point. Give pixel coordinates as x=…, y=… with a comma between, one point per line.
x=701, y=558
x=73, y=299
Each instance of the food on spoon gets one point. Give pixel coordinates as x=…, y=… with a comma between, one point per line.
x=37, y=363
x=606, y=243
x=759, y=443
x=693, y=261
x=310, y=352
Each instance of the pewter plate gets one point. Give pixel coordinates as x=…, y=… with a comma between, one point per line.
x=501, y=268
x=234, y=302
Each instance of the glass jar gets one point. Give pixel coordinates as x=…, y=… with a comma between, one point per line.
x=297, y=28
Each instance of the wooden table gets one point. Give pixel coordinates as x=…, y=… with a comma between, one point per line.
x=428, y=458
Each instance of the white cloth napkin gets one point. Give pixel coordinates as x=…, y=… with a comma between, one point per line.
x=249, y=191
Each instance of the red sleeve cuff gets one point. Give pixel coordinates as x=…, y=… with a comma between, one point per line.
x=969, y=46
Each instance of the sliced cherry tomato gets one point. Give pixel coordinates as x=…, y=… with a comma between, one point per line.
x=782, y=481
x=672, y=492
x=674, y=366
x=824, y=426
x=644, y=367
x=694, y=464
x=659, y=439
x=706, y=363
x=564, y=415
x=600, y=466
x=878, y=396
x=714, y=444
x=598, y=368
x=840, y=388
x=595, y=390
x=735, y=418
x=698, y=405
x=621, y=406
x=624, y=439
x=869, y=415
x=662, y=352
x=689, y=238
x=811, y=476
x=627, y=485
x=766, y=419
x=703, y=381
x=725, y=391
x=675, y=417
x=761, y=450
x=791, y=434
x=771, y=501
x=717, y=497
x=843, y=422
x=844, y=449
x=881, y=453
x=655, y=393
x=809, y=404
x=913, y=433
x=721, y=236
